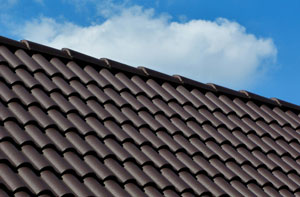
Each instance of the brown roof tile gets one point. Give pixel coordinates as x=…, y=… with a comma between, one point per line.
x=72, y=124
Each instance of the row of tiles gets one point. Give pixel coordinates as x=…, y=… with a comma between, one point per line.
x=129, y=172
x=134, y=106
x=47, y=184
x=266, y=143
x=210, y=149
x=74, y=74
x=254, y=135
x=147, y=155
x=174, y=139
x=186, y=113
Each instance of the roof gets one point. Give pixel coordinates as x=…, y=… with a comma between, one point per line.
x=74, y=124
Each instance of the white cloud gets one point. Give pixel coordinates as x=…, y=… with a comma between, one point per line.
x=219, y=51
x=109, y=8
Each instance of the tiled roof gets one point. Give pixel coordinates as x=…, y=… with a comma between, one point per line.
x=73, y=124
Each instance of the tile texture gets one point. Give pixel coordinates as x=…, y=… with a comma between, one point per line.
x=71, y=124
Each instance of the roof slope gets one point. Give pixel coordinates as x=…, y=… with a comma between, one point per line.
x=73, y=124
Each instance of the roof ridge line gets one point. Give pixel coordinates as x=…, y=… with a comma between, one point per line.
x=75, y=55
x=12, y=43
x=70, y=54
x=35, y=47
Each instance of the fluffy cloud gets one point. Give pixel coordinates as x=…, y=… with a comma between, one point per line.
x=219, y=51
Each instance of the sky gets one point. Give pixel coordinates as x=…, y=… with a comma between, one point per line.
x=248, y=45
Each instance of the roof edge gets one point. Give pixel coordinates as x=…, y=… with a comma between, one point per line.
x=11, y=43
x=158, y=75
x=286, y=105
x=69, y=54
x=35, y=47
x=228, y=91
x=193, y=83
x=262, y=99
x=114, y=65
x=75, y=55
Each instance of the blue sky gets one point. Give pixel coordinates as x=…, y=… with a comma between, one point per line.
x=251, y=45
